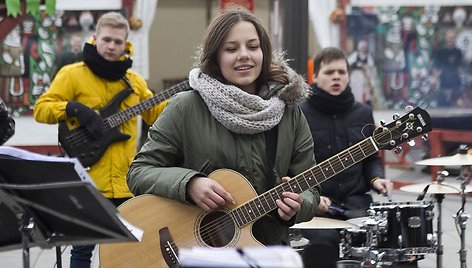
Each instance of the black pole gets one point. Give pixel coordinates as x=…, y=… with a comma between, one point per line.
x=295, y=34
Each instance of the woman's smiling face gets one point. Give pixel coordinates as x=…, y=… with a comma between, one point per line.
x=240, y=56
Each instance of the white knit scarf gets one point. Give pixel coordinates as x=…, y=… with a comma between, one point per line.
x=235, y=109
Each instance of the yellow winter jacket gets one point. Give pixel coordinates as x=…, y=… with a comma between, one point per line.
x=77, y=82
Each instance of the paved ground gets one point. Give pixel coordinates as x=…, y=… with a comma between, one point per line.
x=451, y=240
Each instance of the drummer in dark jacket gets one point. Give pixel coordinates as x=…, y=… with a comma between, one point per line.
x=337, y=122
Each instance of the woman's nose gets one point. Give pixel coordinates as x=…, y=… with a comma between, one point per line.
x=243, y=54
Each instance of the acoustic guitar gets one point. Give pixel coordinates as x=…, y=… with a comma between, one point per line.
x=169, y=225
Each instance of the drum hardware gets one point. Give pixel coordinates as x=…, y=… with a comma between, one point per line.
x=440, y=188
x=394, y=232
x=361, y=242
x=409, y=225
x=461, y=217
x=439, y=198
x=297, y=241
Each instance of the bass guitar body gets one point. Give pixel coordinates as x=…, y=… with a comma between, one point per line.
x=78, y=142
x=169, y=225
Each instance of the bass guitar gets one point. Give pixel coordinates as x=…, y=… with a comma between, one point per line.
x=78, y=142
x=169, y=225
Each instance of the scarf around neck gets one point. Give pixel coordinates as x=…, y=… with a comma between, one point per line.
x=237, y=110
x=109, y=70
x=329, y=104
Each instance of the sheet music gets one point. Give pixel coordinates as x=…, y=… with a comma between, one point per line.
x=27, y=155
x=264, y=257
x=137, y=232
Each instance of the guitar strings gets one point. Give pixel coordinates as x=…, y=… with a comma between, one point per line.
x=225, y=222
x=83, y=133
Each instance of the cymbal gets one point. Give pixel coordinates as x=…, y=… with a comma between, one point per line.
x=323, y=223
x=358, y=221
x=455, y=160
x=435, y=188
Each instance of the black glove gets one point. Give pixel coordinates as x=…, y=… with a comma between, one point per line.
x=87, y=118
x=3, y=117
x=3, y=126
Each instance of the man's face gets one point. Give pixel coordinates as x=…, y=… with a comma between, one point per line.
x=333, y=77
x=110, y=42
x=76, y=44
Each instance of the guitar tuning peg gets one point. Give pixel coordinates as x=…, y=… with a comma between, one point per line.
x=396, y=116
x=411, y=143
x=398, y=149
x=425, y=137
x=382, y=122
x=408, y=108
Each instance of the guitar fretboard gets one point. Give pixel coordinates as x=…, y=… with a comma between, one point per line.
x=312, y=177
x=123, y=116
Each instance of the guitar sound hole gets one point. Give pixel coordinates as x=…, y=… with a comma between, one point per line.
x=217, y=229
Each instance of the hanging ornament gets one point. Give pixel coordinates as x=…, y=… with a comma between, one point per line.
x=337, y=15
x=135, y=23
x=32, y=6
x=51, y=7
x=13, y=7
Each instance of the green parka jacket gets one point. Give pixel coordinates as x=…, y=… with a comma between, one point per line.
x=186, y=141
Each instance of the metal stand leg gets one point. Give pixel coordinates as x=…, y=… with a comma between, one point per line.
x=462, y=220
x=461, y=217
x=439, y=251
x=58, y=257
x=26, y=227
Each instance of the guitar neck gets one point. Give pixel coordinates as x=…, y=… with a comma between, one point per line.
x=310, y=178
x=123, y=116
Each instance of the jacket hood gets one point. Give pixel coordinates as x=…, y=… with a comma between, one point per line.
x=297, y=89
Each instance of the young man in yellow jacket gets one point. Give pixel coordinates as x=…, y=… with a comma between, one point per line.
x=81, y=89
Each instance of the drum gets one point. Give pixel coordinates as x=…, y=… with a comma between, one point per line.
x=353, y=243
x=354, y=237
x=299, y=245
x=348, y=264
x=409, y=226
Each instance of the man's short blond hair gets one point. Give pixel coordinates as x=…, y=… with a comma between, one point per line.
x=114, y=20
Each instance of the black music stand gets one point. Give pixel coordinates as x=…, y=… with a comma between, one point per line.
x=46, y=204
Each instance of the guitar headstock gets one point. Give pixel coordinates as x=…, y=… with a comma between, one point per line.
x=414, y=123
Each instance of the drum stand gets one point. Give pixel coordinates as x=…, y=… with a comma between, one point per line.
x=439, y=251
x=461, y=217
x=439, y=198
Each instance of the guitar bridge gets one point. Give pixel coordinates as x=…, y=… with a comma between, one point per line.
x=168, y=248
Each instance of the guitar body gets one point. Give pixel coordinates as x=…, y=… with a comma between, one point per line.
x=184, y=224
x=78, y=142
x=89, y=150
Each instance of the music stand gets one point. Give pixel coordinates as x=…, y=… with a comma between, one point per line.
x=46, y=204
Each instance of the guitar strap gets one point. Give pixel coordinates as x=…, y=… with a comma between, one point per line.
x=271, y=147
x=125, y=92
x=127, y=83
